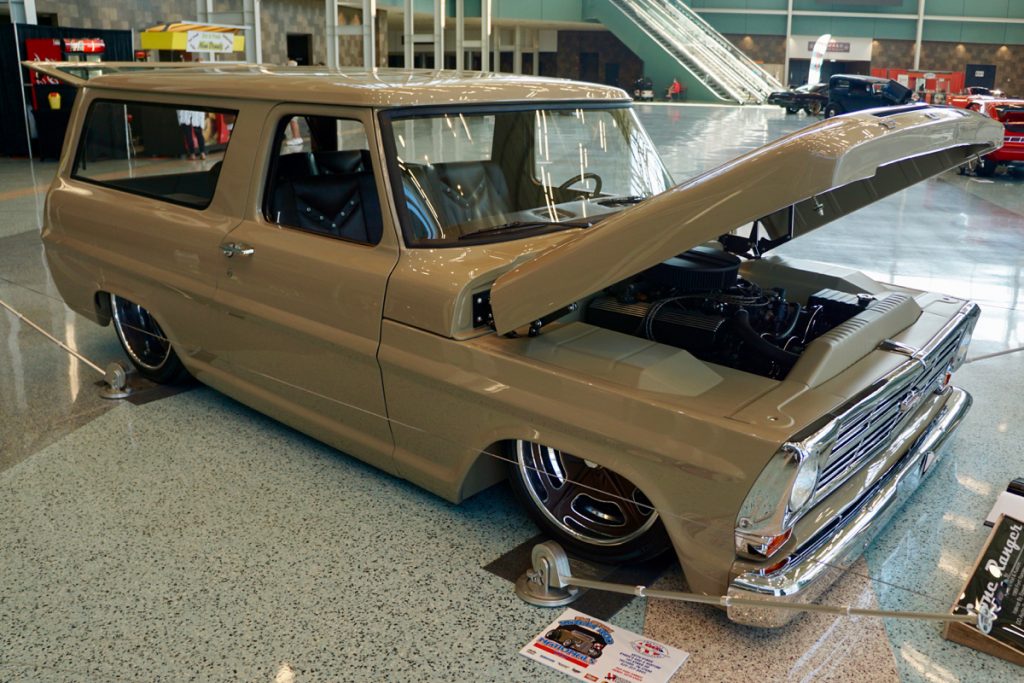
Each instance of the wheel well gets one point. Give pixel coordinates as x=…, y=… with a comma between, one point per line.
x=103, y=310
x=487, y=470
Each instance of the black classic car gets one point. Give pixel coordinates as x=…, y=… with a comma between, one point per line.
x=811, y=98
x=848, y=93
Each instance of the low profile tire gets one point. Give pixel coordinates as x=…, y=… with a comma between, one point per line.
x=592, y=511
x=792, y=110
x=833, y=110
x=145, y=343
x=986, y=168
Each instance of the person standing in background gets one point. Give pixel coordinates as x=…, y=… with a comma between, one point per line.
x=191, y=124
x=295, y=137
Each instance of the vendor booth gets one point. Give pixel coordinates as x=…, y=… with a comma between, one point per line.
x=186, y=41
x=45, y=101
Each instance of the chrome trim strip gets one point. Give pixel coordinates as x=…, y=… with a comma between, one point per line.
x=811, y=571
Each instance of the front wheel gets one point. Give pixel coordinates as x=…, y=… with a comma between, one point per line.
x=986, y=168
x=592, y=511
x=145, y=343
x=792, y=110
x=833, y=110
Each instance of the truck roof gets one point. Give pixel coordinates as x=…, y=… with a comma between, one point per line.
x=356, y=87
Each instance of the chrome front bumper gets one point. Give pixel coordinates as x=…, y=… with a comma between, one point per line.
x=813, y=569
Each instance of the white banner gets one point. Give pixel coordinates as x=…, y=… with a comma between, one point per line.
x=817, y=57
x=839, y=48
x=210, y=41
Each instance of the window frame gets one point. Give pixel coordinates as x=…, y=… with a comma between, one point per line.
x=267, y=182
x=394, y=173
x=83, y=135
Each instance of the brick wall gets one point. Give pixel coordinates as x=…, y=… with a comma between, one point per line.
x=956, y=57
x=116, y=14
x=761, y=49
x=281, y=17
x=278, y=18
x=610, y=50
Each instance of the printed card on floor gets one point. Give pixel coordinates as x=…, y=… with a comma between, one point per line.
x=591, y=650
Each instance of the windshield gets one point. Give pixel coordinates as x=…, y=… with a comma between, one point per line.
x=478, y=175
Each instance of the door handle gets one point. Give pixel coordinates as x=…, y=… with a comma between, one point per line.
x=236, y=249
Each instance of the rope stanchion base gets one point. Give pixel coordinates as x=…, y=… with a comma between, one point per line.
x=550, y=583
x=115, y=379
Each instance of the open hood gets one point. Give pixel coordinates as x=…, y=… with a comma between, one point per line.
x=789, y=187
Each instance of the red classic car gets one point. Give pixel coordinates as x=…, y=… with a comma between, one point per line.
x=1009, y=112
x=971, y=94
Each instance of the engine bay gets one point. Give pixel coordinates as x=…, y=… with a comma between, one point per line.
x=697, y=301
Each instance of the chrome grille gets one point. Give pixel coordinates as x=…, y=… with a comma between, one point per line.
x=864, y=433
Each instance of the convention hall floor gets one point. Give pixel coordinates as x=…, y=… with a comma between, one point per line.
x=185, y=537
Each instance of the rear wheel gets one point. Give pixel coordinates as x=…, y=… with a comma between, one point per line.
x=814, y=108
x=833, y=110
x=591, y=510
x=145, y=343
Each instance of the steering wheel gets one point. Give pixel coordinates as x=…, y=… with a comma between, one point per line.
x=579, y=178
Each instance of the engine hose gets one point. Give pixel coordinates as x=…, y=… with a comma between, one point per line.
x=740, y=324
x=792, y=326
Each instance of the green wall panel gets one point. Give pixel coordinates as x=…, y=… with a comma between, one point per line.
x=954, y=8
x=738, y=4
x=983, y=33
x=895, y=29
x=906, y=7
x=1014, y=34
x=544, y=10
x=747, y=25
x=947, y=31
x=727, y=23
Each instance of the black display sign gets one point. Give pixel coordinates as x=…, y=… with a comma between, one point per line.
x=996, y=589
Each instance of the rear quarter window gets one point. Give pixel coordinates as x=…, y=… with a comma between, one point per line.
x=167, y=152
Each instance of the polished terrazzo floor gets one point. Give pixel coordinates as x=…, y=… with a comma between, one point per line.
x=190, y=538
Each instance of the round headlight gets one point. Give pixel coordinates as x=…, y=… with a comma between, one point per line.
x=803, y=484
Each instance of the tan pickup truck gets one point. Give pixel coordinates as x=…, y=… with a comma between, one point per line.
x=465, y=277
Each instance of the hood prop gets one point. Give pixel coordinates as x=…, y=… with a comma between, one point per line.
x=752, y=246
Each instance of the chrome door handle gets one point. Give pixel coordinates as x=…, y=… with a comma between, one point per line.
x=232, y=249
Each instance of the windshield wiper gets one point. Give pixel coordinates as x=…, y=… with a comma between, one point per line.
x=515, y=226
x=621, y=201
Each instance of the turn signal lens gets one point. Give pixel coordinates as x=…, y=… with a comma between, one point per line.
x=777, y=542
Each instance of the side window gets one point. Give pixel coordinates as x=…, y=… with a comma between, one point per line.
x=169, y=152
x=320, y=179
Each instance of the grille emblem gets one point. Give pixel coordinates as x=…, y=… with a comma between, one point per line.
x=910, y=401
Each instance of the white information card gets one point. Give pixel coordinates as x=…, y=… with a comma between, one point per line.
x=591, y=650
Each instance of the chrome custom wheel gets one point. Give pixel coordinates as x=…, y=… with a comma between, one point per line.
x=590, y=509
x=145, y=342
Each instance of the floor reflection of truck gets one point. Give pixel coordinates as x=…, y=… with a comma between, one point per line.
x=577, y=638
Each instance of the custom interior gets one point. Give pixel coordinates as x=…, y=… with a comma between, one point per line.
x=504, y=174
x=321, y=179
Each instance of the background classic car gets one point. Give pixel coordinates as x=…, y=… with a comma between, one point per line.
x=811, y=98
x=458, y=278
x=1010, y=113
x=848, y=93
